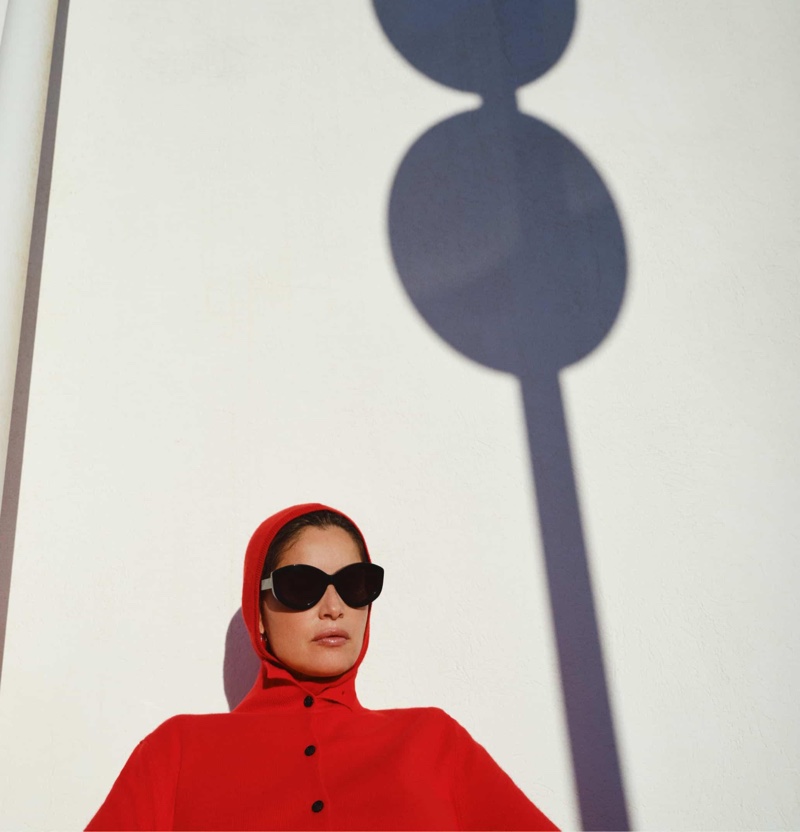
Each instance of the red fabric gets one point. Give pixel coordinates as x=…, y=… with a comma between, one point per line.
x=307, y=755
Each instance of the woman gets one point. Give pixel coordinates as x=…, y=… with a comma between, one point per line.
x=300, y=751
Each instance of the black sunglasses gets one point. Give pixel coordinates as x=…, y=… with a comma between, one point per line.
x=301, y=587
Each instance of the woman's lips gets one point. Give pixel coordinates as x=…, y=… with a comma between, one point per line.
x=331, y=638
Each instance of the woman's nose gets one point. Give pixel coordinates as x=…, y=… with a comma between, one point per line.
x=331, y=605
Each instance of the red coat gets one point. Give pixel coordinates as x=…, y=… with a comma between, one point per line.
x=308, y=755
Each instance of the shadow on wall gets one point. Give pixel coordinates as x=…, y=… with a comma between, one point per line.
x=241, y=664
x=9, y=510
x=510, y=246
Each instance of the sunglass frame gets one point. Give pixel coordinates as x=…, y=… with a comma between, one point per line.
x=269, y=584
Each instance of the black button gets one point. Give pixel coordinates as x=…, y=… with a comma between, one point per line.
x=317, y=806
x=310, y=749
x=308, y=701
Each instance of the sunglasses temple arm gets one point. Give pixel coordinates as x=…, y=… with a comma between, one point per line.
x=266, y=584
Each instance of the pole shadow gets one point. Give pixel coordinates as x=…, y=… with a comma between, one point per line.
x=9, y=510
x=509, y=244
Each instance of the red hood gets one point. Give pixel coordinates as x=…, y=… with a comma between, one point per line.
x=273, y=669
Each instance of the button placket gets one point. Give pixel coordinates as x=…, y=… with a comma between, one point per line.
x=310, y=750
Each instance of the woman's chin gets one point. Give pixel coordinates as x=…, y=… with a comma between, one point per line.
x=329, y=668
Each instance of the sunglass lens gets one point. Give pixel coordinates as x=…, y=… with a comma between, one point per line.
x=359, y=584
x=299, y=587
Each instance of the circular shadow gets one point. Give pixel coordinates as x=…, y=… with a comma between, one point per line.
x=241, y=665
x=479, y=45
x=507, y=241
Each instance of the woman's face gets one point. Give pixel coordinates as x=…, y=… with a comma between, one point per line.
x=325, y=640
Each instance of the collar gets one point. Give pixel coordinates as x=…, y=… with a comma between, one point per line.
x=276, y=687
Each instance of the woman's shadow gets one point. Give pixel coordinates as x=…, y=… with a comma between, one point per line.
x=241, y=665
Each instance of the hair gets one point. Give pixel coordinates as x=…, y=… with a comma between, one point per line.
x=322, y=519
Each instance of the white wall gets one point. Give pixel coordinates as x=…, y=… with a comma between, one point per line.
x=222, y=333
